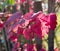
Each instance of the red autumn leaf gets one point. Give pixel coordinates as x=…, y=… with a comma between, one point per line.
x=20, y=30
x=53, y=20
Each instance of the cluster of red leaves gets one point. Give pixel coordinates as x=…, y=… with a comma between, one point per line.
x=29, y=25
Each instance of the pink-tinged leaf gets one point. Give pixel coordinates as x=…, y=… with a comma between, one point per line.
x=42, y=17
x=45, y=25
x=36, y=14
x=16, y=25
x=10, y=28
x=9, y=35
x=13, y=37
x=44, y=28
x=15, y=29
x=13, y=18
x=28, y=33
x=21, y=23
x=28, y=15
x=30, y=47
x=36, y=27
x=53, y=20
x=1, y=25
x=31, y=15
x=20, y=30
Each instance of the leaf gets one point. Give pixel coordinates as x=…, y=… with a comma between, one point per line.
x=14, y=17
